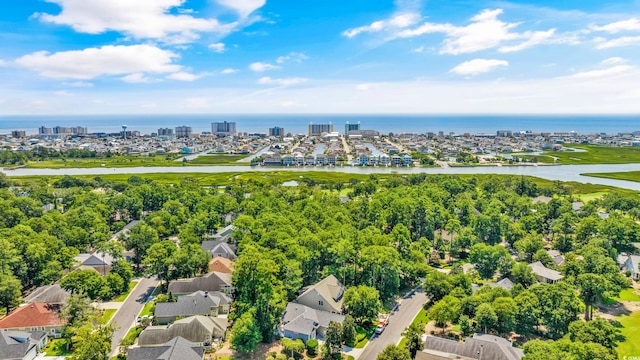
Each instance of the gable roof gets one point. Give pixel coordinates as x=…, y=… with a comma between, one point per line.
x=215, y=247
x=505, y=283
x=633, y=263
x=213, y=281
x=33, y=315
x=95, y=259
x=539, y=269
x=51, y=294
x=221, y=264
x=302, y=319
x=16, y=344
x=177, y=348
x=197, y=303
x=330, y=289
x=194, y=328
x=480, y=346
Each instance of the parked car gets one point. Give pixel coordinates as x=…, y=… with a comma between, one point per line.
x=380, y=327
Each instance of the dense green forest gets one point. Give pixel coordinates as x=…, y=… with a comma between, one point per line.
x=388, y=235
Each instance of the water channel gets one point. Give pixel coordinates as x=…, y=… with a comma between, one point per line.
x=550, y=172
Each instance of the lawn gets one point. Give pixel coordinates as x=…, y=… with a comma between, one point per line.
x=592, y=154
x=629, y=328
x=363, y=336
x=585, y=198
x=629, y=175
x=629, y=295
x=131, y=336
x=123, y=297
x=146, y=310
x=218, y=159
x=421, y=318
x=108, y=314
x=56, y=347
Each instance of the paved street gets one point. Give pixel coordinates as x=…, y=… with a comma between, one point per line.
x=403, y=316
x=125, y=318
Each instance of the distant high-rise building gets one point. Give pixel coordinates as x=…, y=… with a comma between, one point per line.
x=79, y=130
x=183, y=131
x=504, y=133
x=276, y=131
x=62, y=130
x=165, y=132
x=42, y=130
x=318, y=129
x=223, y=128
x=18, y=133
x=351, y=127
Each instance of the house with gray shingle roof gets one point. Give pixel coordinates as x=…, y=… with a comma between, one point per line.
x=326, y=295
x=544, y=274
x=213, y=281
x=504, y=283
x=198, y=303
x=302, y=322
x=633, y=264
x=219, y=248
x=21, y=345
x=177, y=348
x=480, y=346
x=198, y=329
x=50, y=294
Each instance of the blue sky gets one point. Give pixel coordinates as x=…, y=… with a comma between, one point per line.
x=318, y=56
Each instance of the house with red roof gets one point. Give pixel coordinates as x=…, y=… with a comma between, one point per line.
x=35, y=317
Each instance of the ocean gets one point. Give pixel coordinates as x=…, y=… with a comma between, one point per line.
x=584, y=124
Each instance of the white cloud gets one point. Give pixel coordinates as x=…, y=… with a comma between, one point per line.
x=485, y=31
x=617, y=42
x=292, y=56
x=218, y=47
x=196, y=103
x=62, y=93
x=3, y=63
x=478, y=66
x=419, y=49
x=243, y=7
x=397, y=21
x=183, y=76
x=229, y=71
x=139, y=19
x=261, y=67
x=632, y=24
x=137, y=78
x=601, y=73
x=614, y=61
x=94, y=62
x=79, y=84
x=282, y=82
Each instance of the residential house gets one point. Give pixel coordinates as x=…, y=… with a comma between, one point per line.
x=544, y=274
x=504, y=283
x=557, y=257
x=97, y=261
x=225, y=233
x=35, y=317
x=221, y=264
x=21, y=345
x=302, y=322
x=50, y=294
x=630, y=263
x=198, y=303
x=480, y=346
x=219, y=248
x=177, y=348
x=201, y=330
x=213, y=281
x=396, y=160
x=326, y=295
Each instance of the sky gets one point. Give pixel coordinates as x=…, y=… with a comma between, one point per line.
x=319, y=56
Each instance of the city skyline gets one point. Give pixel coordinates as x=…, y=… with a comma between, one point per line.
x=258, y=56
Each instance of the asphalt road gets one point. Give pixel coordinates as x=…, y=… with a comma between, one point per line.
x=398, y=321
x=125, y=318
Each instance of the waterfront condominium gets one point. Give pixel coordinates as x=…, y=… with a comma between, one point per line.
x=223, y=128
x=318, y=129
x=183, y=131
x=351, y=127
x=276, y=131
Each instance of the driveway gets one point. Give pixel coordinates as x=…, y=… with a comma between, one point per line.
x=398, y=321
x=125, y=318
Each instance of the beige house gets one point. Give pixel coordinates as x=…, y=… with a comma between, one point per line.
x=326, y=295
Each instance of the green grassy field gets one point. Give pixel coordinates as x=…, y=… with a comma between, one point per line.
x=112, y=162
x=108, y=313
x=630, y=175
x=146, y=310
x=123, y=297
x=218, y=159
x=630, y=328
x=629, y=295
x=591, y=196
x=56, y=347
x=593, y=155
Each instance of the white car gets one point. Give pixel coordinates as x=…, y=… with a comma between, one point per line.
x=380, y=328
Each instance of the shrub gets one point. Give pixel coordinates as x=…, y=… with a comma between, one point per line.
x=312, y=347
